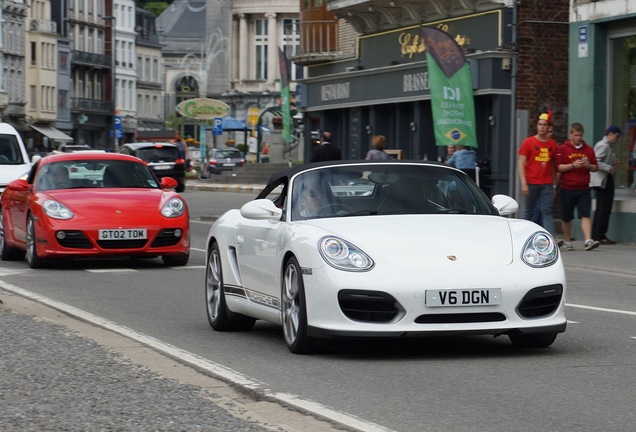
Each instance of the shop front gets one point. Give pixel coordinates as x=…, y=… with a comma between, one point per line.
x=385, y=90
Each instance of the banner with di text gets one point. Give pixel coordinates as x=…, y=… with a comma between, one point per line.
x=451, y=90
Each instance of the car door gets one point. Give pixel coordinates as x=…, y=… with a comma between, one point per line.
x=257, y=250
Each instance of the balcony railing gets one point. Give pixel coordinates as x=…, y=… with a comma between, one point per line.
x=91, y=59
x=93, y=106
x=319, y=40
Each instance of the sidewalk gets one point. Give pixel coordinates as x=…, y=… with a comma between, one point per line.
x=211, y=186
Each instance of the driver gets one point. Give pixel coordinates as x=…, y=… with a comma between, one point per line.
x=59, y=177
x=312, y=197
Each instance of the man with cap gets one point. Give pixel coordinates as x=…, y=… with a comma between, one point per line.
x=536, y=170
x=602, y=183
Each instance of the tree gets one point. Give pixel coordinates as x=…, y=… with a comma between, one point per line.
x=154, y=7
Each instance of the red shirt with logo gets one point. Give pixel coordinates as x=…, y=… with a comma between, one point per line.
x=576, y=179
x=539, y=159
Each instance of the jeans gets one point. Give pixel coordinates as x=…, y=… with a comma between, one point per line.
x=544, y=195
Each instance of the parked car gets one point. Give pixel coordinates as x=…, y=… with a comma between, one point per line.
x=91, y=205
x=14, y=158
x=383, y=249
x=224, y=159
x=164, y=159
x=69, y=148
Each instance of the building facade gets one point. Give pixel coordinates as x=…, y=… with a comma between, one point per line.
x=602, y=40
x=125, y=77
x=149, y=73
x=14, y=16
x=82, y=23
x=41, y=74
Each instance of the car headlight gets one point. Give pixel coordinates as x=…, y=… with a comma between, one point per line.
x=343, y=255
x=56, y=210
x=540, y=250
x=173, y=208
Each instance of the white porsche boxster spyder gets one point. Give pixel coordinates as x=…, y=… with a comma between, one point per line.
x=383, y=249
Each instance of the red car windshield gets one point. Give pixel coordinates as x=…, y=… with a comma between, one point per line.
x=94, y=174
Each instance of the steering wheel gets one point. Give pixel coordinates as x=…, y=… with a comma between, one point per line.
x=334, y=209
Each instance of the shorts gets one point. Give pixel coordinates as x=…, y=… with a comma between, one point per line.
x=579, y=199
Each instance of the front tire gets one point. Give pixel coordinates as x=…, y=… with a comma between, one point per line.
x=539, y=340
x=219, y=316
x=32, y=251
x=294, y=310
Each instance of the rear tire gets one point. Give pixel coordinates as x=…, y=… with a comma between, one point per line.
x=181, y=186
x=32, y=251
x=538, y=340
x=7, y=253
x=219, y=316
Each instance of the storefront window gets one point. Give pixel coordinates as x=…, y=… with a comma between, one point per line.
x=623, y=109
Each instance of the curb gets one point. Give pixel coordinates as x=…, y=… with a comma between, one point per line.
x=221, y=187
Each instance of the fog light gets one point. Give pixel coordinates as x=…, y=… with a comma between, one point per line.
x=61, y=235
x=178, y=232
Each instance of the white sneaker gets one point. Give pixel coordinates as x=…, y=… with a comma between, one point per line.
x=591, y=244
x=567, y=246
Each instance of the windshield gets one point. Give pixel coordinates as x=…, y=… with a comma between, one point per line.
x=10, y=153
x=94, y=174
x=229, y=154
x=379, y=189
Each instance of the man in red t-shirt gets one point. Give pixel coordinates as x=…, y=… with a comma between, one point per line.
x=535, y=166
x=575, y=160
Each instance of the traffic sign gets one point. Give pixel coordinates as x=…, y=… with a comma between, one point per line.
x=118, y=122
x=119, y=133
x=217, y=128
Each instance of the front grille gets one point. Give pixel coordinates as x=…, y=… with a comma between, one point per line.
x=122, y=244
x=74, y=240
x=540, y=301
x=166, y=238
x=460, y=318
x=372, y=306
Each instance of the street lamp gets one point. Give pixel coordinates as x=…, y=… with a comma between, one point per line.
x=113, y=74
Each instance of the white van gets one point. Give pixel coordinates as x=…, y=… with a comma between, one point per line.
x=14, y=159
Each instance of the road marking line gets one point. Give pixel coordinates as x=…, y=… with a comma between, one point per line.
x=112, y=270
x=199, y=362
x=600, y=309
x=198, y=250
x=572, y=322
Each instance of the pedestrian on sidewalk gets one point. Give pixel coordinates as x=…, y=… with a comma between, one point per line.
x=536, y=169
x=602, y=183
x=326, y=151
x=575, y=160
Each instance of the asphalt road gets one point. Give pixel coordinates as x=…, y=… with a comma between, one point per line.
x=584, y=382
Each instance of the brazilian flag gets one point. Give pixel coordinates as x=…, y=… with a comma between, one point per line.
x=451, y=90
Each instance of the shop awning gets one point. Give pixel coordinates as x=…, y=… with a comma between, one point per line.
x=52, y=133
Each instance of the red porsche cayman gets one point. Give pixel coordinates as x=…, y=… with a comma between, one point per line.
x=93, y=204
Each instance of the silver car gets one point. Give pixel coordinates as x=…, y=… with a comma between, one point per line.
x=224, y=159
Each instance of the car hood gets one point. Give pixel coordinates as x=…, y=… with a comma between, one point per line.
x=102, y=203
x=429, y=241
x=8, y=173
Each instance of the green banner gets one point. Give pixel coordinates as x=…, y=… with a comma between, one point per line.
x=451, y=90
x=284, y=96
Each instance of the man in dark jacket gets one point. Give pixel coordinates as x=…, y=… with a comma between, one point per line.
x=326, y=151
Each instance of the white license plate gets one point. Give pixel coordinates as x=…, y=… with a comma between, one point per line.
x=162, y=167
x=229, y=164
x=123, y=234
x=465, y=297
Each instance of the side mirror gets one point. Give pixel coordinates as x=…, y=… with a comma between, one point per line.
x=19, y=185
x=35, y=158
x=505, y=204
x=168, y=183
x=261, y=209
